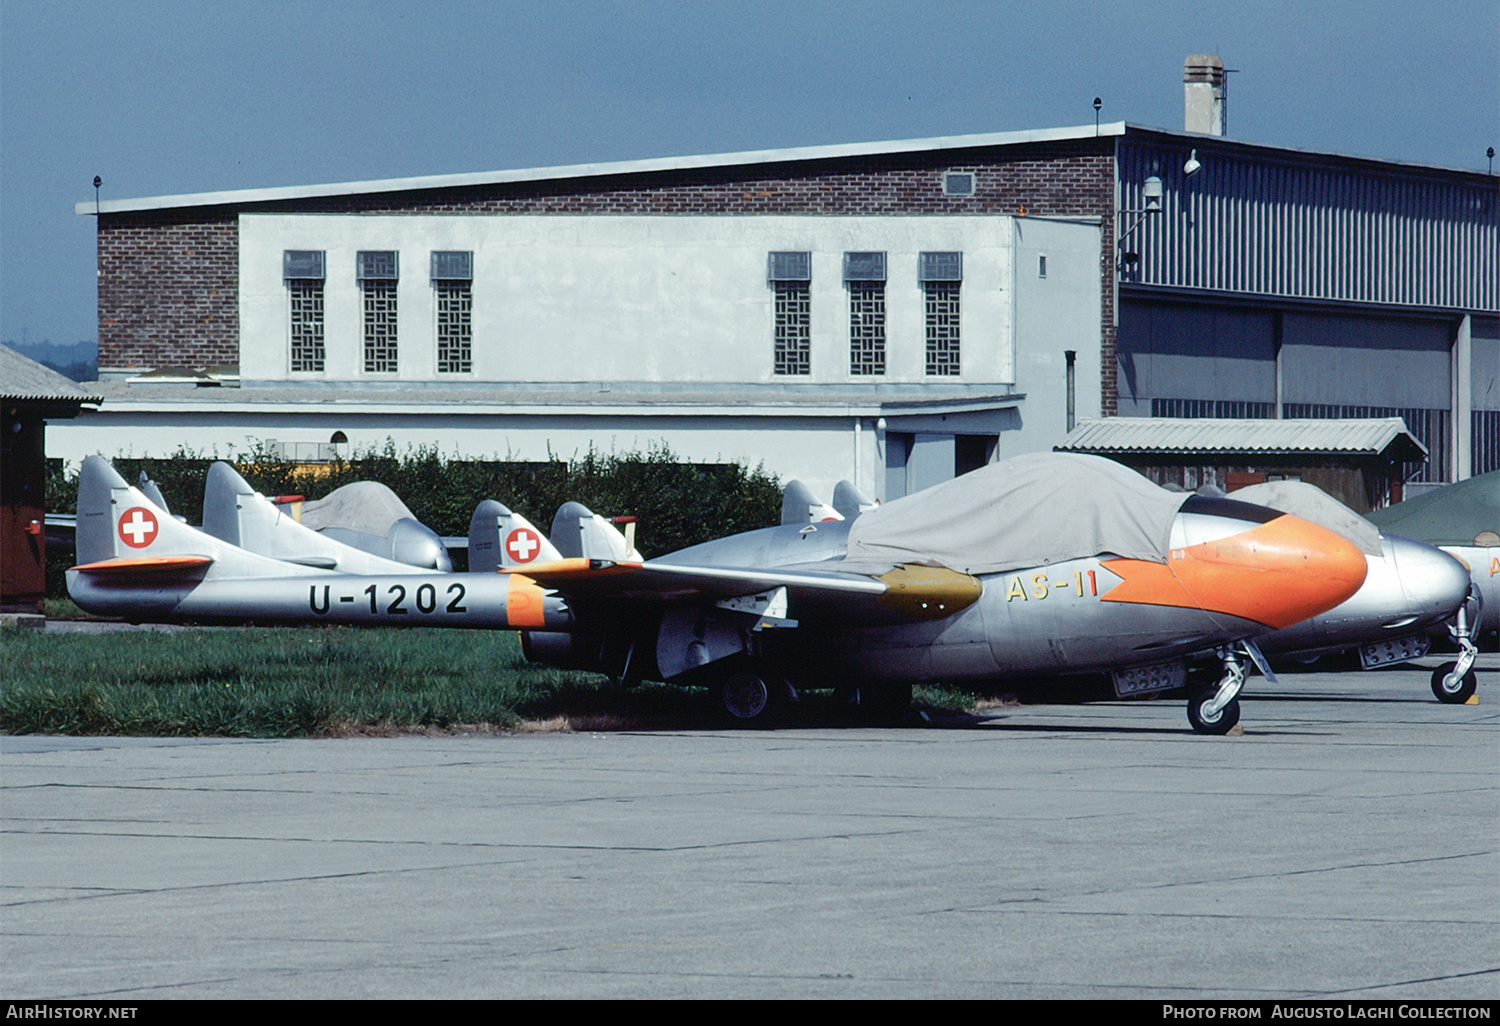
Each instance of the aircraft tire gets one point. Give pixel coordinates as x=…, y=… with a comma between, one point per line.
x=1221, y=724
x=1460, y=692
x=745, y=698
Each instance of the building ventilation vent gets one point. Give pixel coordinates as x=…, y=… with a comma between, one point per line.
x=864, y=267
x=302, y=263
x=958, y=183
x=790, y=267
x=458, y=266
x=377, y=265
x=941, y=267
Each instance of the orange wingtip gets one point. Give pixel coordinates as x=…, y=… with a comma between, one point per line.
x=569, y=568
x=145, y=564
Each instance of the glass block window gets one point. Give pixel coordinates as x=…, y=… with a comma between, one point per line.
x=793, y=327
x=790, y=275
x=377, y=271
x=942, y=327
x=866, y=327
x=455, y=332
x=380, y=326
x=306, y=296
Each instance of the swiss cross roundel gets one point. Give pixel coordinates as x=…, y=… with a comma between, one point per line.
x=523, y=545
x=138, y=527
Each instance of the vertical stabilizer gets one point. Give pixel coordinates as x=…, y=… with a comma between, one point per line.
x=499, y=538
x=578, y=531
x=800, y=506
x=849, y=501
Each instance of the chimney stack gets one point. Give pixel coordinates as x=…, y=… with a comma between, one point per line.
x=1203, y=94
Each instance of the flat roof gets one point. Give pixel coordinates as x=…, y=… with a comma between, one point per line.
x=245, y=197
x=127, y=398
x=239, y=197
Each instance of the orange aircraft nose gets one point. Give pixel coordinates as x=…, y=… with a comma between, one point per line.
x=1276, y=573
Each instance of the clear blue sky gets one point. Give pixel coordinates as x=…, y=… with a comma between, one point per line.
x=166, y=97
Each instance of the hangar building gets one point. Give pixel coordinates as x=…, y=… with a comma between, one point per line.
x=892, y=313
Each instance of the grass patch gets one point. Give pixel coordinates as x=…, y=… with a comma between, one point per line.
x=329, y=681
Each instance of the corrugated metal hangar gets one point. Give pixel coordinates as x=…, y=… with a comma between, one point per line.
x=891, y=313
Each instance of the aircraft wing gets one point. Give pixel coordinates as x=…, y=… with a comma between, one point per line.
x=822, y=595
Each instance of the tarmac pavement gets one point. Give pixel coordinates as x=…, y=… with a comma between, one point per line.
x=1347, y=847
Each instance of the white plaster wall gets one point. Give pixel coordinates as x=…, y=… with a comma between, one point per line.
x=1054, y=314
x=684, y=299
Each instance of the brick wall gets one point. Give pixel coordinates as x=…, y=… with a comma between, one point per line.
x=168, y=291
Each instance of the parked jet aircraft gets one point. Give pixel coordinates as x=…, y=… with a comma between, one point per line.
x=367, y=515
x=1037, y=566
x=238, y=514
x=1411, y=589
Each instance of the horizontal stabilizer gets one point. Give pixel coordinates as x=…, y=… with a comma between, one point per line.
x=146, y=565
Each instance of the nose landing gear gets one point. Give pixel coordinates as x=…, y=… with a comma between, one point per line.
x=1216, y=710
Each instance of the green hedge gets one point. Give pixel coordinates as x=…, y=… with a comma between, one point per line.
x=676, y=503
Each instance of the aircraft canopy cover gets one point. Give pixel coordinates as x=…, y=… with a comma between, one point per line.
x=366, y=506
x=1316, y=506
x=1455, y=514
x=1030, y=510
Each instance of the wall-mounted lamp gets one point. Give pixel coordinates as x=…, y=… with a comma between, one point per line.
x=1151, y=195
x=1193, y=165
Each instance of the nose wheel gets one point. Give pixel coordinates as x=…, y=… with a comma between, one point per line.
x=1207, y=717
x=1216, y=710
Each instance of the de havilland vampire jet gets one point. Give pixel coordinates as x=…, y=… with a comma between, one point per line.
x=1411, y=590
x=1041, y=565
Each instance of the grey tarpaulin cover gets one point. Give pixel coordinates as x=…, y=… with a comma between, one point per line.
x=1030, y=510
x=366, y=506
x=1314, y=505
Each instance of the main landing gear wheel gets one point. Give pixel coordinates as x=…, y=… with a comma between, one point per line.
x=1451, y=688
x=746, y=699
x=1205, y=722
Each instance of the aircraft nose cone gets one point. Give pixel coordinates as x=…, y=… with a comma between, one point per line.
x=1435, y=582
x=1276, y=573
x=1332, y=567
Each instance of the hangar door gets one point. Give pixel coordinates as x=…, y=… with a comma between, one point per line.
x=1347, y=366
x=1181, y=360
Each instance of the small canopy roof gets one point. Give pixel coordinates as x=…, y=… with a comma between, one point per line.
x=1385, y=437
x=1455, y=514
x=1030, y=510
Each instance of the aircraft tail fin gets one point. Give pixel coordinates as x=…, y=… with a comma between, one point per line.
x=578, y=531
x=499, y=539
x=236, y=513
x=119, y=524
x=849, y=501
x=800, y=506
x=151, y=491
